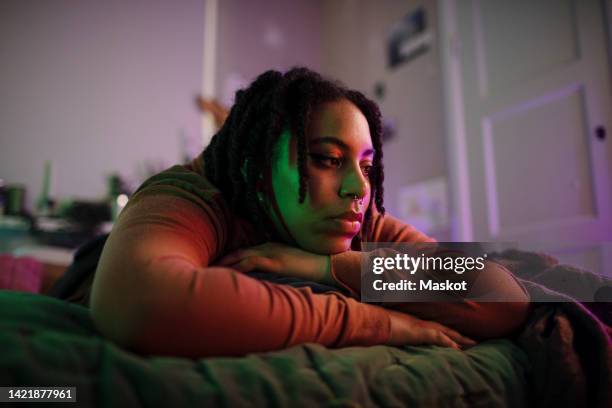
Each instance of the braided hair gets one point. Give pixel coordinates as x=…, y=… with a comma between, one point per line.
x=241, y=152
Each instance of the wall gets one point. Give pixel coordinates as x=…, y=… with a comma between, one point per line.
x=258, y=35
x=103, y=87
x=96, y=87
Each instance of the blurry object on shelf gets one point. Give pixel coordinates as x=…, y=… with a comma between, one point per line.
x=75, y=223
x=14, y=223
x=44, y=202
x=87, y=214
x=67, y=223
x=117, y=205
x=60, y=232
x=14, y=230
x=117, y=194
x=46, y=254
x=15, y=199
x=116, y=185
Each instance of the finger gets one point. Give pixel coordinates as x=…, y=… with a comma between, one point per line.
x=240, y=254
x=458, y=337
x=455, y=335
x=447, y=341
x=245, y=265
x=228, y=260
x=233, y=258
x=257, y=262
x=438, y=338
x=464, y=340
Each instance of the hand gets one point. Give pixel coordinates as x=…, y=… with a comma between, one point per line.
x=409, y=330
x=281, y=259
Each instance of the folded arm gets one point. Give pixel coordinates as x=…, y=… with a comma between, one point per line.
x=155, y=293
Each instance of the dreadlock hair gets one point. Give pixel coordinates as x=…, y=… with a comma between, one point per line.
x=241, y=152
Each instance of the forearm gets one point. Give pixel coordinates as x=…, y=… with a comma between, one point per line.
x=198, y=312
x=478, y=319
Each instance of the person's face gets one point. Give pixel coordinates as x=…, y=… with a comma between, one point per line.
x=339, y=157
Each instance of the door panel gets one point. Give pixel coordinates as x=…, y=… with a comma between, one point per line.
x=520, y=40
x=535, y=86
x=549, y=135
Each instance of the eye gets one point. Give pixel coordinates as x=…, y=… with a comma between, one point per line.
x=367, y=169
x=327, y=161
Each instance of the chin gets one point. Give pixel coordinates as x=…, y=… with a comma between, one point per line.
x=331, y=246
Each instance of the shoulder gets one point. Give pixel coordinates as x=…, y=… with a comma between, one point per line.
x=186, y=181
x=179, y=190
x=183, y=189
x=387, y=228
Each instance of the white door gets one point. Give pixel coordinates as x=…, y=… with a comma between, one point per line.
x=528, y=105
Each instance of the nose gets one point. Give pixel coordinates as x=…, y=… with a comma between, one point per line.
x=354, y=183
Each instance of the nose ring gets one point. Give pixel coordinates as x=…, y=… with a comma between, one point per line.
x=359, y=200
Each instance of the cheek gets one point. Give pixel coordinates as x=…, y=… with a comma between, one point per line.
x=322, y=189
x=285, y=182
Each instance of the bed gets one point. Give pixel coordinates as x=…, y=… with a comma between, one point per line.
x=563, y=357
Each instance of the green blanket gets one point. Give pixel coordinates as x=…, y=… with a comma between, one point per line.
x=47, y=342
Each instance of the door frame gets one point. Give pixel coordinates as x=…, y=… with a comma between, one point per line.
x=452, y=87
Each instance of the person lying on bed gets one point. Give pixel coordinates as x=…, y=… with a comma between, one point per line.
x=290, y=184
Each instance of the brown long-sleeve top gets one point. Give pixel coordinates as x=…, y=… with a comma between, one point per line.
x=156, y=291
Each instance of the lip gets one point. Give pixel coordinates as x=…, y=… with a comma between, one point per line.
x=345, y=227
x=350, y=216
x=347, y=223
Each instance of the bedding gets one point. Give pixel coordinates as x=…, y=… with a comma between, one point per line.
x=49, y=342
x=569, y=343
x=563, y=357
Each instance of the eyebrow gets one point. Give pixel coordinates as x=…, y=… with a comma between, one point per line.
x=339, y=143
